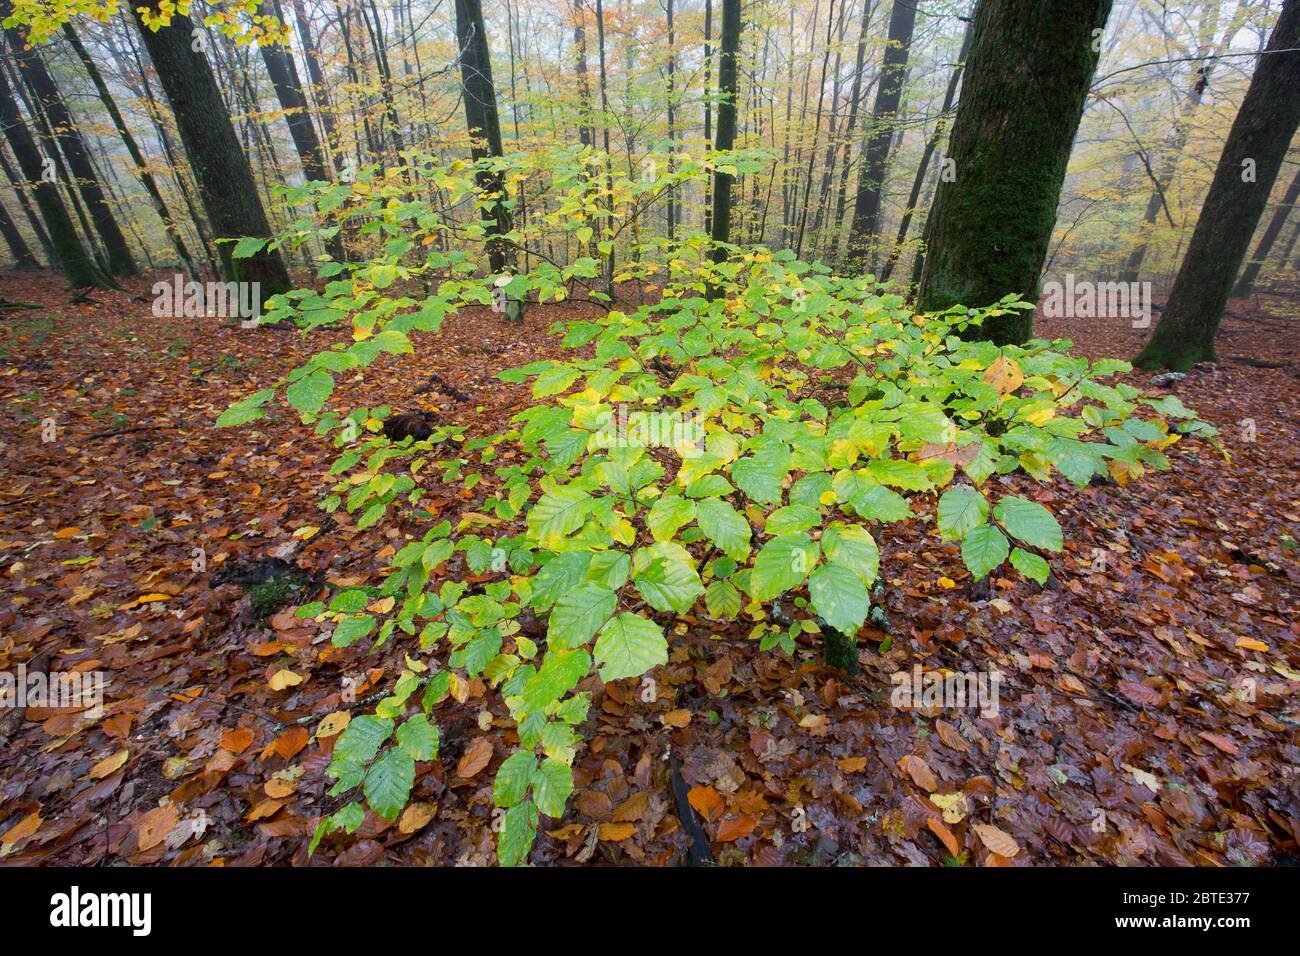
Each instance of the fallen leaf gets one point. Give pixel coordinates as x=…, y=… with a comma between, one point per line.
x=237, y=740
x=736, y=828
x=996, y=840
x=333, y=723
x=944, y=834
x=415, y=817
x=109, y=765
x=707, y=802
x=616, y=832
x=920, y=772
x=477, y=756
x=155, y=825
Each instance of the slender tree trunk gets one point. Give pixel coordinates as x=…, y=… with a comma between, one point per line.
x=864, y=234
x=1022, y=98
x=672, y=131
x=46, y=94
x=319, y=91
x=855, y=98
x=18, y=248
x=923, y=167
x=609, y=160
x=586, y=132
x=817, y=127
x=32, y=219
x=728, y=54
x=481, y=118
x=137, y=158
x=1248, y=167
x=224, y=178
x=77, y=265
x=1246, y=283
x=708, y=106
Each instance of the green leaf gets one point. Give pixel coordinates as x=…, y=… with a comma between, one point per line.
x=552, y=784
x=960, y=509
x=722, y=600
x=554, y=380
x=983, y=549
x=900, y=473
x=559, y=674
x=361, y=739
x=628, y=646
x=854, y=548
x=1029, y=522
x=1030, y=565
x=783, y=564
x=839, y=597
x=759, y=479
x=351, y=629
x=513, y=777
x=725, y=527
x=579, y=614
x=518, y=831
x=248, y=247
x=309, y=393
x=792, y=519
x=559, y=512
x=667, y=515
x=418, y=738
x=388, y=783
x=669, y=585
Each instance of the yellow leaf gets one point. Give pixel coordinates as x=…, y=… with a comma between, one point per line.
x=109, y=765
x=953, y=805
x=333, y=723
x=283, y=679
x=1252, y=644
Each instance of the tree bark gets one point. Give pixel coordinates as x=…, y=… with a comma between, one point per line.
x=22, y=253
x=484, y=126
x=221, y=170
x=1259, y=138
x=1026, y=81
x=728, y=53
x=33, y=220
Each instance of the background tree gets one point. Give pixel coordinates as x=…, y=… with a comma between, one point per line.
x=1242, y=182
x=1028, y=74
x=728, y=53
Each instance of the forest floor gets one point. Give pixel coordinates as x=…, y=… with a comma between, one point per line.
x=1148, y=702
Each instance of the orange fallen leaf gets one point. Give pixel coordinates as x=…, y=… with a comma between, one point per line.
x=852, y=764
x=616, y=832
x=155, y=825
x=1223, y=743
x=277, y=788
x=237, y=740
x=477, y=756
x=736, y=828
x=67, y=532
x=633, y=808
x=291, y=741
x=944, y=835
x=677, y=718
x=109, y=765
x=707, y=802
x=333, y=723
x=998, y=841
x=1251, y=644
x=267, y=808
x=20, y=831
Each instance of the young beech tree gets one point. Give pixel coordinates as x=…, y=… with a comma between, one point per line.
x=221, y=169
x=1028, y=75
x=1247, y=168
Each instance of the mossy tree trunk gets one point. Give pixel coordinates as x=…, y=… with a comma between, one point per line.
x=22, y=253
x=728, y=53
x=1248, y=167
x=77, y=265
x=225, y=180
x=1022, y=98
x=484, y=125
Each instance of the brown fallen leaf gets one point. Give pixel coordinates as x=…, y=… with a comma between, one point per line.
x=155, y=825
x=415, y=817
x=20, y=831
x=1223, y=743
x=633, y=808
x=677, y=718
x=477, y=756
x=289, y=743
x=920, y=772
x=998, y=841
x=852, y=764
x=951, y=736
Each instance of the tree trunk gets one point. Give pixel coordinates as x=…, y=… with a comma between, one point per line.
x=855, y=98
x=1246, y=283
x=728, y=53
x=225, y=180
x=924, y=166
x=864, y=233
x=137, y=158
x=32, y=219
x=672, y=131
x=46, y=94
x=1257, y=143
x=1022, y=98
x=77, y=265
x=484, y=126
x=22, y=253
